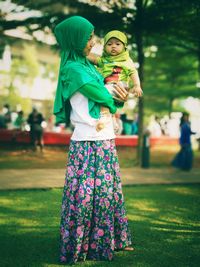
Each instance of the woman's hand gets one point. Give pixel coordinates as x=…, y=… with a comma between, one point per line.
x=121, y=92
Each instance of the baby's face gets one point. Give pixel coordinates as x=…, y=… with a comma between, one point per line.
x=114, y=47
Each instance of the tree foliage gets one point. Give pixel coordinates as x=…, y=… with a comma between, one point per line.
x=168, y=25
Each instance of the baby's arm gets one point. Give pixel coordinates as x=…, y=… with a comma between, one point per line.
x=93, y=58
x=137, y=90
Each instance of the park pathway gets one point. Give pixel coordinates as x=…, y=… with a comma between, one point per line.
x=54, y=178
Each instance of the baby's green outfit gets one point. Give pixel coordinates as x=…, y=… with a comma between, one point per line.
x=115, y=69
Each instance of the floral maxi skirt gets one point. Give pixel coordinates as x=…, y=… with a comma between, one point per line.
x=93, y=216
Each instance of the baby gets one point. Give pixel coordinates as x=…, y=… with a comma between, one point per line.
x=116, y=66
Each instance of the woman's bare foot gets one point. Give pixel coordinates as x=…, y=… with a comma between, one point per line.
x=128, y=249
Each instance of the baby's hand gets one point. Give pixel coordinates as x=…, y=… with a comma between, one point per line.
x=137, y=91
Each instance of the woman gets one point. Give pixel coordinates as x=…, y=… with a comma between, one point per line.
x=184, y=159
x=93, y=217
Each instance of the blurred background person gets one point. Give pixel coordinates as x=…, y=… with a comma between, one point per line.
x=184, y=159
x=127, y=125
x=154, y=127
x=35, y=120
x=20, y=121
x=7, y=116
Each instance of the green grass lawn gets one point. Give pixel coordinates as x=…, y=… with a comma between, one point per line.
x=164, y=221
x=55, y=157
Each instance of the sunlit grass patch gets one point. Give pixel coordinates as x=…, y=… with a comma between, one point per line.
x=56, y=157
x=164, y=224
x=183, y=191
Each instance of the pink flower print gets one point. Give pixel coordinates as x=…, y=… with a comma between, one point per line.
x=80, y=172
x=101, y=201
x=67, y=193
x=85, y=165
x=99, y=150
x=124, y=236
x=71, y=198
x=101, y=153
x=75, y=181
x=79, y=247
x=107, y=145
x=89, y=191
x=87, y=199
x=71, y=223
x=91, y=182
x=80, y=156
x=83, y=203
x=79, y=231
x=88, y=180
x=100, y=232
x=116, y=196
x=85, y=247
x=93, y=245
x=81, y=191
x=98, y=182
x=107, y=204
x=70, y=172
x=107, y=177
x=106, y=158
x=72, y=207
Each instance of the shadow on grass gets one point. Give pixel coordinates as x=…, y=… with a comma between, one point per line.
x=164, y=221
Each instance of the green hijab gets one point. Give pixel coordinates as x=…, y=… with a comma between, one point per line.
x=75, y=71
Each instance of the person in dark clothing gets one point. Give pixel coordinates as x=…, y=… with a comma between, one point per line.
x=35, y=120
x=184, y=159
x=7, y=116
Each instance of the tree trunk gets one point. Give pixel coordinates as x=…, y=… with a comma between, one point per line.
x=140, y=50
x=170, y=106
x=198, y=56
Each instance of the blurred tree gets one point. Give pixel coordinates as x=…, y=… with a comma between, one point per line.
x=22, y=66
x=146, y=22
x=183, y=20
x=171, y=75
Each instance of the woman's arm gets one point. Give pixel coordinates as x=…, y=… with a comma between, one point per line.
x=98, y=94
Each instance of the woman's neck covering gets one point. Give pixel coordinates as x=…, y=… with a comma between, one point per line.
x=72, y=36
x=120, y=36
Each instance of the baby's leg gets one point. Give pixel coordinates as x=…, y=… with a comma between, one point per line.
x=103, y=119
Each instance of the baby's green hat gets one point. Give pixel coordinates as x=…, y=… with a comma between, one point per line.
x=116, y=34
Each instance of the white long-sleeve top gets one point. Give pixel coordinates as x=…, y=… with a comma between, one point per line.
x=84, y=124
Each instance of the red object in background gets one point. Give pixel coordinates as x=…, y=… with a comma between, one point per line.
x=52, y=138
